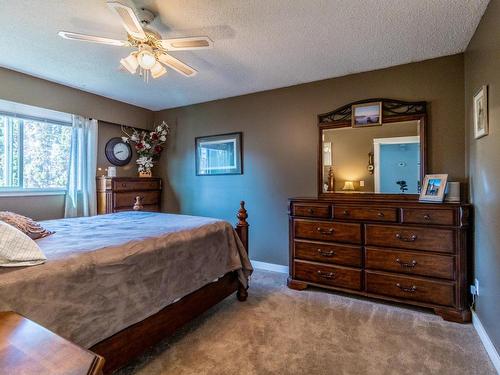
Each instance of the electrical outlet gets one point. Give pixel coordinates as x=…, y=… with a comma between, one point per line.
x=361, y=183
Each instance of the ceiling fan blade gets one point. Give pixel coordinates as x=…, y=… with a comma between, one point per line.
x=129, y=20
x=177, y=65
x=94, y=39
x=185, y=44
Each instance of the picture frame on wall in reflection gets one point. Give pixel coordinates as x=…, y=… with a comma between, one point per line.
x=481, y=126
x=219, y=154
x=366, y=114
x=433, y=188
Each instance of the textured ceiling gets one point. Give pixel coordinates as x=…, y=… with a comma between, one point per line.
x=259, y=44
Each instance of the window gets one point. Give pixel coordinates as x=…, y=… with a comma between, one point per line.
x=34, y=153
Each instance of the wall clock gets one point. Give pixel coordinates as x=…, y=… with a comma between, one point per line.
x=118, y=152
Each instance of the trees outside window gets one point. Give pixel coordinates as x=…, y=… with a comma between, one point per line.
x=34, y=153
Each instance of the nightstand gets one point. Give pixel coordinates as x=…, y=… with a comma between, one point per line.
x=28, y=348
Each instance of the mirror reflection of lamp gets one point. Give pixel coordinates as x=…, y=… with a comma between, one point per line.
x=348, y=185
x=331, y=179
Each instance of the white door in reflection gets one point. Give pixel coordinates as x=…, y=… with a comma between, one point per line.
x=397, y=165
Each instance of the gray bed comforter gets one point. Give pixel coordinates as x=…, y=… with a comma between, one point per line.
x=105, y=273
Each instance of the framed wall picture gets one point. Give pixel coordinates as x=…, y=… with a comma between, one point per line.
x=219, y=154
x=433, y=188
x=366, y=114
x=481, y=127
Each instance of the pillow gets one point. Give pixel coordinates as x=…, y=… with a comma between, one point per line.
x=17, y=249
x=26, y=225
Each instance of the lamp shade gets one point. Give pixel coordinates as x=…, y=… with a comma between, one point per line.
x=130, y=63
x=146, y=57
x=348, y=185
x=158, y=70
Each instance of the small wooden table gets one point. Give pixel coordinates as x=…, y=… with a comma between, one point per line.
x=27, y=348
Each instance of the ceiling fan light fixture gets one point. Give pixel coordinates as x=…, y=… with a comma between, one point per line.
x=146, y=57
x=158, y=70
x=130, y=63
x=150, y=57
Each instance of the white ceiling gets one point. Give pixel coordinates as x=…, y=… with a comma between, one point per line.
x=259, y=44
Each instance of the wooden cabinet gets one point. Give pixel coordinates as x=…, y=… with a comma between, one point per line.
x=400, y=250
x=118, y=194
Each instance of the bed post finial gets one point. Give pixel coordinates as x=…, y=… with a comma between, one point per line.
x=242, y=214
x=242, y=230
x=242, y=226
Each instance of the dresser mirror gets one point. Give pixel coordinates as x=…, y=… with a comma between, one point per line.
x=375, y=146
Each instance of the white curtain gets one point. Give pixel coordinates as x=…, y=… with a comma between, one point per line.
x=81, y=192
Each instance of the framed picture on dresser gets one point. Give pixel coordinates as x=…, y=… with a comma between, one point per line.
x=433, y=188
x=219, y=154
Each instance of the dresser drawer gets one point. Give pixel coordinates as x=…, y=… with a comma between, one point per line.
x=147, y=208
x=418, y=238
x=441, y=266
x=312, y=210
x=362, y=213
x=411, y=288
x=346, y=255
x=146, y=184
x=328, y=231
x=127, y=200
x=424, y=216
x=341, y=277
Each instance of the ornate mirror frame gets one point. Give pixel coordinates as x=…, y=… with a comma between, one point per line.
x=392, y=111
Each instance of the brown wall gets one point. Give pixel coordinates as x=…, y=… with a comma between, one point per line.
x=280, y=143
x=26, y=89
x=106, y=132
x=482, y=60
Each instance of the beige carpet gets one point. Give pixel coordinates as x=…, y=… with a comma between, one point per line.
x=281, y=331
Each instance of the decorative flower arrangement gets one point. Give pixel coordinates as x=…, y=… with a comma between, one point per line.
x=148, y=144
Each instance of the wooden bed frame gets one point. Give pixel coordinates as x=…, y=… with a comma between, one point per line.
x=129, y=343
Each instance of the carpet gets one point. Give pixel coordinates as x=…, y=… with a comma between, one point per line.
x=313, y=332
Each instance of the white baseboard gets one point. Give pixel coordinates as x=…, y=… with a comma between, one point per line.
x=269, y=266
x=488, y=345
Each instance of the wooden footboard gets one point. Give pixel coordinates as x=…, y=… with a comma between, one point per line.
x=129, y=343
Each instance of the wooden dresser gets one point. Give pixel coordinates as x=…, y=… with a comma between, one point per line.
x=117, y=194
x=402, y=251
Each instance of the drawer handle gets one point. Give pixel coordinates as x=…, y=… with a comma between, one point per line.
x=412, y=238
x=324, y=231
x=310, y=210
x=330, y=253
x=427, y=217
x=380, y=214
x=346, y=213
x=412, y=264
x=326, y=275
x=124, y=185
x=411, y=289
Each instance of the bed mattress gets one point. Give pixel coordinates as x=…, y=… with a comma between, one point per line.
x=105, y=273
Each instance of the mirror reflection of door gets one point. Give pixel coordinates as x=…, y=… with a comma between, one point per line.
x=397, y=164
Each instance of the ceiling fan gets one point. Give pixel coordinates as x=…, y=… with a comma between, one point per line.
x=150, y=53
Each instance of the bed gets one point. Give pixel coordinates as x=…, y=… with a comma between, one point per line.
x=119, y=283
